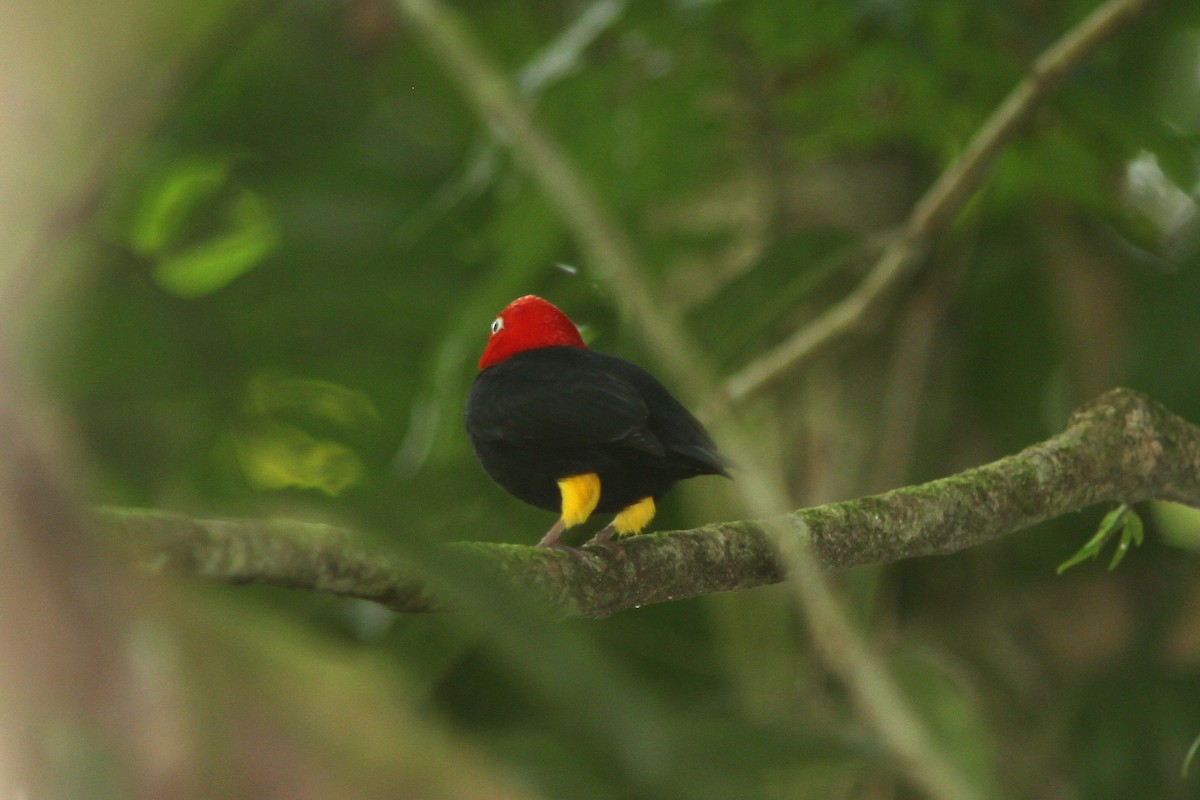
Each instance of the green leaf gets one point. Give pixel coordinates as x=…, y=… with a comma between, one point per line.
x=171, y=199
x=207, y=266
x=1132, y=533
x=1119, y=553
x=1108, y=527
x=200, y=229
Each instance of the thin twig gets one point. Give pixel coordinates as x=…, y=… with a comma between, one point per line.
x=554, y=62
x=935, y=210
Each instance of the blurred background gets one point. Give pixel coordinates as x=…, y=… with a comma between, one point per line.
x=251, y=251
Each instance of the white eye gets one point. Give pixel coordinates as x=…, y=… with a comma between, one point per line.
x=497, y=325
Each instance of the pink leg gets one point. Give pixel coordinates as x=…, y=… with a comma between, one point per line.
x=551, y=537
x=550, y=542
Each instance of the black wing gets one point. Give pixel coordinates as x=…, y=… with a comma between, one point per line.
x=558, y=397
x=679, y=431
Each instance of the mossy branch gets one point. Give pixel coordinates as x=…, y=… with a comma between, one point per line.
x=1124, y=447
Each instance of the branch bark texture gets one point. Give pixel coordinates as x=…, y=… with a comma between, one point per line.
x=1124, y=447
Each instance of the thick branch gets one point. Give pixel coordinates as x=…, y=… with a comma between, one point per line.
x=935, y=210
x=1122, y=448
x=289, y=553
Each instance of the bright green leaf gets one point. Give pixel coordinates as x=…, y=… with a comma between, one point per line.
x=1134, y=527
x=1132, y=533
x=1108, y=527
x=1119, y=553
x=210, y=265
x=168, y=203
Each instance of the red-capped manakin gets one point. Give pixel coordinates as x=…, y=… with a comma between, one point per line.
x=575, y=431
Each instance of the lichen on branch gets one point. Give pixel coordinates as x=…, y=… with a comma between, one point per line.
x=1123, y=447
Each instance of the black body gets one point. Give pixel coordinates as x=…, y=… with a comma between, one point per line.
x=553, y=412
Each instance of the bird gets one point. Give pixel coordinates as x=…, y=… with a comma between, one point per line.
x=572, y=430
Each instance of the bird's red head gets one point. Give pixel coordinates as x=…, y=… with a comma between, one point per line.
x=526, y=324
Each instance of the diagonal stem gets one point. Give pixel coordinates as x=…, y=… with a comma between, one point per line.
x=937, y=208
x=615, y=260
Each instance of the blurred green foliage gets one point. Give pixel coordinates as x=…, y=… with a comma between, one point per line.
x=296, y=272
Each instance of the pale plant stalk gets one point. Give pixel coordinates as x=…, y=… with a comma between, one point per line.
x=614, y=259
x=935, y=210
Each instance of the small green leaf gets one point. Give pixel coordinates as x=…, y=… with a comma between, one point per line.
x=1134, y=527
x=1132, y=533
x=175, y=195
x=206, y=266
x=1119, y=553
x=1108, y=527
x=1191, y=754
x=1089, y=550
x=1113, y=518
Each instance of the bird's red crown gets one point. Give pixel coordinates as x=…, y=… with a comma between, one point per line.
x=526, y=324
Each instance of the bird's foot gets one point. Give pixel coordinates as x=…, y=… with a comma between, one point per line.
x=551, y=542
x=603, y=535
x=575, y=553
x=551, y=537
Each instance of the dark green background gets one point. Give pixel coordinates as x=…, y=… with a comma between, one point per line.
x=758, y=153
